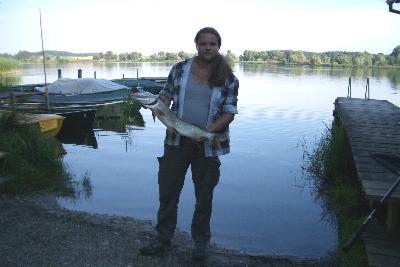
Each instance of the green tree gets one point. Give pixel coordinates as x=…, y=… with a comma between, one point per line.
x=357, y=59
x=367, y=59
x=342, y=59
x=396, y=51
x=153, y=57
x=183, y=55
x=135, y=56
x=379, y=60
x=110, y=56
x=315, y=60
x=23, y=55
x=248, y=55
x=230, y=56
x=277, y=56
x=296, y=57
x=122, y=57
x=171, y=56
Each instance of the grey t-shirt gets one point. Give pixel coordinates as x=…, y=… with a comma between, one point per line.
x=197, y=103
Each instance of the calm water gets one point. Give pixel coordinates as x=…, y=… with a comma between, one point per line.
x=263, y=204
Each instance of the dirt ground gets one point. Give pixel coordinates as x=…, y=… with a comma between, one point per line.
x=36, y=231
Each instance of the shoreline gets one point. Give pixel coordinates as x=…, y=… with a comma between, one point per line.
x=171, y=62
x=36, y=231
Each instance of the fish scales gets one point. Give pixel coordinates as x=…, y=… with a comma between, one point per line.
x=168, y=118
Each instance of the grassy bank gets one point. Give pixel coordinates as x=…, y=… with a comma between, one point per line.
x=32, y=160
x=335, y=179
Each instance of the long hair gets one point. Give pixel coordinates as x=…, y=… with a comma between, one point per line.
x=220, y=68
x=220, y=71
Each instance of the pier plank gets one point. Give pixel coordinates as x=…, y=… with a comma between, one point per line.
x=382, y=246
x=373, y=127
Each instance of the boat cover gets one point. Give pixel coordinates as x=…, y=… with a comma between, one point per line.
x=81, y=86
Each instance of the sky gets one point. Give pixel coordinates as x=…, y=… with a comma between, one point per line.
x=150, y=26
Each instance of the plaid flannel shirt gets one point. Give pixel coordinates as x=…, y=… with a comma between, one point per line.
x=223, y=100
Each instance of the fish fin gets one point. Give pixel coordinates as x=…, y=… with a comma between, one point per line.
x=156, y=113
x=160, y=113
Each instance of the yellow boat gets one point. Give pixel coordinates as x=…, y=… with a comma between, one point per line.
x=48, y=123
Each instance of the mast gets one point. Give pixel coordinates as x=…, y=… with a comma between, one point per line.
x=46, y=92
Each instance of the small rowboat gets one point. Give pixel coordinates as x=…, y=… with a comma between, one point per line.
x=48, y=123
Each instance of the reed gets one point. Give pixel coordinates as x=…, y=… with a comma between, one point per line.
x=334, y=178
x=8, y=64
x=131, y=113
x=32, y=160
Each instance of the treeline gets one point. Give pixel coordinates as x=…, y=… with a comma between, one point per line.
x=284, y=57
x=26, y=55
x=324, y=58
x=139, y=57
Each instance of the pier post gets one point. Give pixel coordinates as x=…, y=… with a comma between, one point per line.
x=59, y=74
x=95, y=74
x=79, y=73
x=366, y=95
x=12, y=101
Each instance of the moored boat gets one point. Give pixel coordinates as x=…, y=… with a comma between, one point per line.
x=92, y=91
x=75, y=118
x=48, y=123
x=83, y=90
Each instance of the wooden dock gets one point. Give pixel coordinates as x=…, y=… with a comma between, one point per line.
x=373, y=128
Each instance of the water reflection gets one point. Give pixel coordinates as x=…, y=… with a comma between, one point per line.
x=122, y=118
x=82, y=188
x=83, y=137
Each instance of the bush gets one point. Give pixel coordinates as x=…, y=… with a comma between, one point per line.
x=32, y=160
x=8, y=64
x=335, y=179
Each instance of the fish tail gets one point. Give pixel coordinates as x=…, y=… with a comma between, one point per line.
x=217, y=138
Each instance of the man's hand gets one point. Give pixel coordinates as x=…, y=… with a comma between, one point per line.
x=199, y=139
x=221, y=123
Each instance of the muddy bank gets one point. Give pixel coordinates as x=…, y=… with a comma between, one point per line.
x=36, y=231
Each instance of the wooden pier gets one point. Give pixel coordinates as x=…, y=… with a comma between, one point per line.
x=373, y=128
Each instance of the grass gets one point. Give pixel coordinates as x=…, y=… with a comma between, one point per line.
x=335, y=180
x=131, y=114
x=32, y=160
x=8, y=64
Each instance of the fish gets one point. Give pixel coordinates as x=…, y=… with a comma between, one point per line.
x=169, y=119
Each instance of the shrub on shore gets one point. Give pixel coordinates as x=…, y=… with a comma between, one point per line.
x=31, y=160
x=8, y=64
x=335, y=180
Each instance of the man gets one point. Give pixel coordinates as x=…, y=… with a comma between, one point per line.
x=203, y=91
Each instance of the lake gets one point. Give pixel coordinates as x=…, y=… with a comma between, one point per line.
x=264, y=203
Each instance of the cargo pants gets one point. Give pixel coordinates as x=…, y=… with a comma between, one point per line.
x=173, y=166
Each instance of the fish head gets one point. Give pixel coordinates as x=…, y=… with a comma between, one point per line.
x=145, y=98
